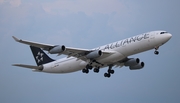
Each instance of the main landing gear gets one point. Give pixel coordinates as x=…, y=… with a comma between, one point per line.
x=89, y=67
x=86, y=70
x=96, y=70
x=109, y=72
x=156, y=52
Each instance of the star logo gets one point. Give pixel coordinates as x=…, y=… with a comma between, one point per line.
x=39, y=57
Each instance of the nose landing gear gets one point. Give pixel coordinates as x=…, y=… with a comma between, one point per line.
x=156, y=52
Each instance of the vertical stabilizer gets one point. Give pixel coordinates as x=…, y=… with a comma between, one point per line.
x=40, y=56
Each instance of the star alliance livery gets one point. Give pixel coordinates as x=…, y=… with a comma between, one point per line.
x=111, y=55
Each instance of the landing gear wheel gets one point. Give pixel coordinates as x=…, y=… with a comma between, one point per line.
x=110, y=71
x=156, y=52
x=96, y=70
x=107, y=75
x=85, y=71
x=89, y=67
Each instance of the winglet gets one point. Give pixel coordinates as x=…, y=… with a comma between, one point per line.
x=16, y=39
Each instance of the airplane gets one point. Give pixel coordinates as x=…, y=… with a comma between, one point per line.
x=115, y=54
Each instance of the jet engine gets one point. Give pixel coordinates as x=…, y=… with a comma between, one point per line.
x=138, y=66
x=57, y=49
x=134, y=64
x=94, y=54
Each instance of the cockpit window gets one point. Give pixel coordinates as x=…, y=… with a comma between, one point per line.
x=163, y=32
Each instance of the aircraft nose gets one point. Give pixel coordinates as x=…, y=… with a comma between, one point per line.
x=166, y=37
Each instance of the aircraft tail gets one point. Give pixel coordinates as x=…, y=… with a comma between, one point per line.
x=40, y=56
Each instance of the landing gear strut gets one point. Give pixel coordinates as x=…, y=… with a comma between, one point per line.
x=109, y=72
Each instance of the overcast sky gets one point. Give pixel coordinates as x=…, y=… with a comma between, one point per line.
x=88, y=24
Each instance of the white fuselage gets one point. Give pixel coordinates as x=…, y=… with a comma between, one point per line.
x=121, y=49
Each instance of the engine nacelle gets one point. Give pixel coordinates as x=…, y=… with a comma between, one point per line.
x=57, y=49
x=132, y=62
x=94, y=54
x=138, y=66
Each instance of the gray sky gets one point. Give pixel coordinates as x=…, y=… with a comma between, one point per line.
x=88, y=24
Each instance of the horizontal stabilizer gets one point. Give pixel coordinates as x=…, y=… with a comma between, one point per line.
x=29, y=66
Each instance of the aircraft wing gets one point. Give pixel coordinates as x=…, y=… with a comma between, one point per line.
x=70, y=51
x=35, y=44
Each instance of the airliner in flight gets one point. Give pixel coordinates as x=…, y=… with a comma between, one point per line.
x=115, y=54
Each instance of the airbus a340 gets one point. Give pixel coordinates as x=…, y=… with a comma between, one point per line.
x=111, y=55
